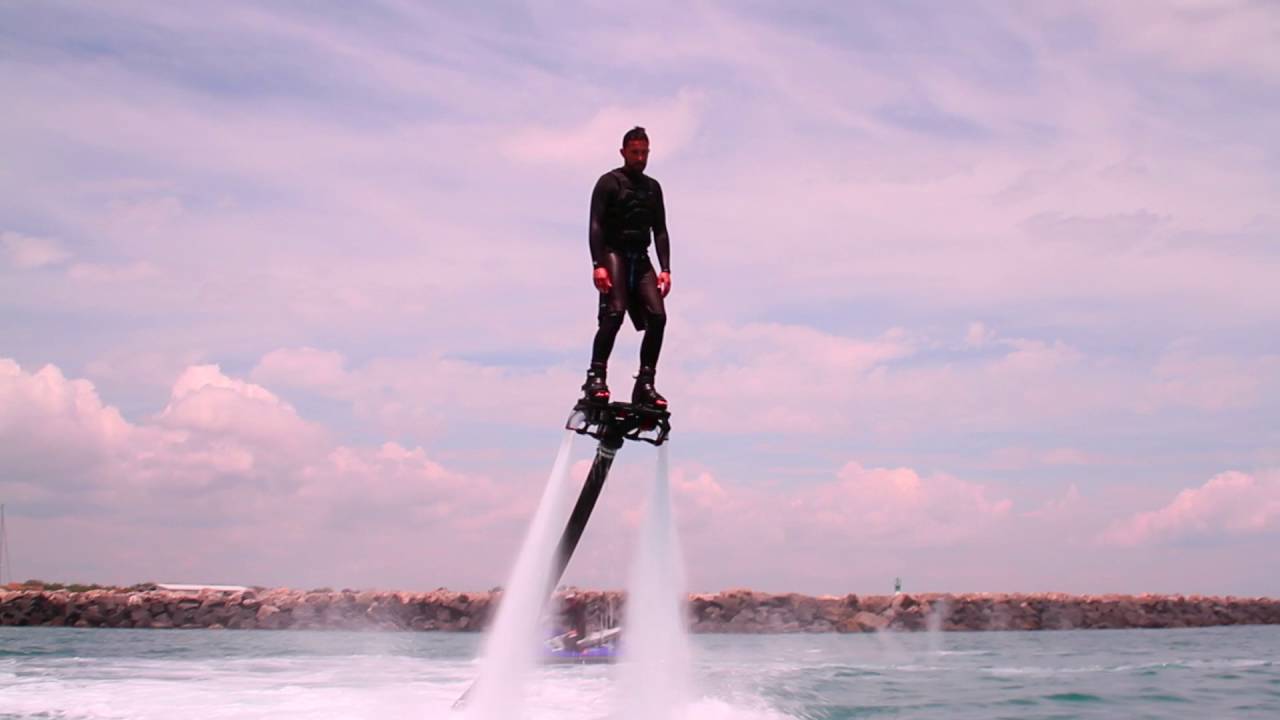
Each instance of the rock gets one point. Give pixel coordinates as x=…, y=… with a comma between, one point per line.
x=870, y=621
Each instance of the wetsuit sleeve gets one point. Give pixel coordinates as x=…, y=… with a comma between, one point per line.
x=661, y=241
x=600, y=199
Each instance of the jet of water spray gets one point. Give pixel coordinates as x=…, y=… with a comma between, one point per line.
x=933, y=624
x=511, y=649
x=654, y=673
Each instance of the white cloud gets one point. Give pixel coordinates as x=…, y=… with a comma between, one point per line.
x=1231, y=504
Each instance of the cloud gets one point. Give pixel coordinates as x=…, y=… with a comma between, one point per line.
x=204, y=400
x=228, y=455
x=792, y=379
x=24, y=252
x=55, y=431
x=1225, y=36
x=814, y=524
x=898, y=505
x=671, y=125
x=978, y=335
x=1229, y=505
x=102, y=273
x=303, y=367
x=420, y=395
x=1021, y=458
x=1209, y=381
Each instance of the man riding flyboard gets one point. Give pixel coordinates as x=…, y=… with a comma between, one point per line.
x=626, y=209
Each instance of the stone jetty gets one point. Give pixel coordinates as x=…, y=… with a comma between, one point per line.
x=730, y=611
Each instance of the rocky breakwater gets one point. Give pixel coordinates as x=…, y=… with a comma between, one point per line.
x=247, y=610
x=745, y=611
x=731, y=611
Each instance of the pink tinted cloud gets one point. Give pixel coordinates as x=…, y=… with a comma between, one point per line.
x=55, y=427
x=25, y=252
x=206, y=404
x=1227, y=35
x=230, y=482
x=230, y=455
x=420, y=394
x=1021, y=458
x=809, y=530
x=303, y=367
x=1211, y=381
x=590, y=144
x=1230, y=504
x=790, y=378
x=900, y=505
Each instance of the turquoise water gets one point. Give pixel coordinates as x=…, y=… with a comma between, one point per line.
x=1194, y=673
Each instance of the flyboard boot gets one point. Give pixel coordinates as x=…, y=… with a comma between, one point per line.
x=595, y=389
x=644, y=394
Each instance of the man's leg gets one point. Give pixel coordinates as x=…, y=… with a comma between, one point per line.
x=612, y=310
x=655, y=325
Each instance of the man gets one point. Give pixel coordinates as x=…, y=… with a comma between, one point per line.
x=575, y=616
x=626, y=210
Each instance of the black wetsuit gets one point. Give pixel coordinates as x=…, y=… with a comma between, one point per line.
x=626, y=209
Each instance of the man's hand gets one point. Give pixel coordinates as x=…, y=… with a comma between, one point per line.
x=664, y=282
x=601, y=278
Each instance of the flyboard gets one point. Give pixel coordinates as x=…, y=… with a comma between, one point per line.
x=611, y=424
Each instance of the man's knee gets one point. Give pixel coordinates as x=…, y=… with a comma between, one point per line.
x=611, y=320
x=655, y=320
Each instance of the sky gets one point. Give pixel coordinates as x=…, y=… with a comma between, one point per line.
x=983, y=295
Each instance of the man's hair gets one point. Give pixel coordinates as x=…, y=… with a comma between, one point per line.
x=635, y=133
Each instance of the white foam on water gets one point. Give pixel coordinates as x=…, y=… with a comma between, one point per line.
x=309, y=688
x=717, y=709
x=653, y=675
x=304, y=688
x=511, y=648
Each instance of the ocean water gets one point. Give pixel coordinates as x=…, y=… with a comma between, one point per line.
x=153, y=674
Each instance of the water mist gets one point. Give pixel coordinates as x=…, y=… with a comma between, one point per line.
x=653, y=676
x=511, y=649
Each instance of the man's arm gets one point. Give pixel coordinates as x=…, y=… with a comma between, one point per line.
x=600, y=198
x=661, y=241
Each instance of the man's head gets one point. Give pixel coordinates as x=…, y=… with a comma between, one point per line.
x=635, y=150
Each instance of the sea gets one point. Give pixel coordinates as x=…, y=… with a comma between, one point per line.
x=65, y=673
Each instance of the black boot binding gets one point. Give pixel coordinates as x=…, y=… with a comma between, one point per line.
x=594, y=388
x=644, y=393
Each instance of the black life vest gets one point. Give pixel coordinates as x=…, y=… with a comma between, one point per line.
x=633, y=211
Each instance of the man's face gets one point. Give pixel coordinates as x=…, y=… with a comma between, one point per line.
x=635, y=155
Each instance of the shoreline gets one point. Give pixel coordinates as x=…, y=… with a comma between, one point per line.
x=728, y=611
